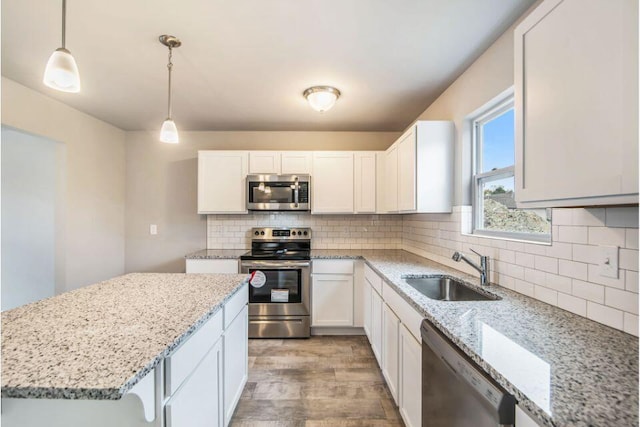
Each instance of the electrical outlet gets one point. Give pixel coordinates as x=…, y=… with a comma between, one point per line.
x=609, y=261
x=153, y=229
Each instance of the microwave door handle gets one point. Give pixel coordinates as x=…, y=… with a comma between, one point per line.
x=296, y=193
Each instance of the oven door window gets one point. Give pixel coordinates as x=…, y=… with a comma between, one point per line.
x=271, y=192
x=281, y=286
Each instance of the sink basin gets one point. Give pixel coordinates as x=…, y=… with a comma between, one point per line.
x=447, y=288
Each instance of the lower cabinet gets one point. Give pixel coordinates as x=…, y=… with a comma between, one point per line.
x=366, y=309
x=376, y=325
x=390, y=349
x=198, y=402
x=410, y=378
x=236, y=338
x=332, y=291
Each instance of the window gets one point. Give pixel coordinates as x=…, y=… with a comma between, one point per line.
x=494, y=207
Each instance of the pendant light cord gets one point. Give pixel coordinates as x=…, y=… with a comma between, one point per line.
x=64, y=22
x=169, y=67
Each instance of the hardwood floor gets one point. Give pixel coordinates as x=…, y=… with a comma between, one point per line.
x=319, y=382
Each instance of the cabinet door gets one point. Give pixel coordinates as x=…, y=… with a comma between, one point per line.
x=376, y=325
x=332, y=186
x=236, y=345
x=366, y=305
x=410, y=379
x=390, y=346
x=576, y=100
x=296, y=162
x=391, y=178
x=198, y=403
x=332, y=300
x=407, y=171
x=221, y=181
x=365, y=182
x=264, y=162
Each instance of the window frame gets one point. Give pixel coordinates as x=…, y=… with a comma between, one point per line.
x=492, y=111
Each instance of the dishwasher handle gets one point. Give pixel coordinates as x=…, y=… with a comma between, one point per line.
x=466, y=370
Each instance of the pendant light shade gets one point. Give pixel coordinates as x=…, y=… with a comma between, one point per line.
x=169, y=132
x=62, y=71
x=321, y=98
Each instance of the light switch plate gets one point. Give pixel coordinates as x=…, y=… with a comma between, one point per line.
x=153, y=229
x=609, y=261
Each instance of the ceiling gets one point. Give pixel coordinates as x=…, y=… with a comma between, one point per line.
x=244, y=64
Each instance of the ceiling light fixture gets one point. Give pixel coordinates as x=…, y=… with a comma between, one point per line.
x=62, y=72
x=169, y=132
x=321, y=98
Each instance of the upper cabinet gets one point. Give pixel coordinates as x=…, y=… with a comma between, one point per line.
x=280, y=162
x=365, y=182
x=576, y=98
x=419, y=169
x=221, y=181
x=332, y=182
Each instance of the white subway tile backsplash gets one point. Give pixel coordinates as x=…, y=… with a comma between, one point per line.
x=525, y=288
x=573, y=304
x=631, y=281
x=545, y=295
x=588, y=291
x=548, y=264
x=622, y=300
x=576, y=270
x=622, y=217
x=573, y=234
x=596, y=277
x=559, y=283
x=607, y=315
x=631, y=324
x=591, y=216
x=562, y=217
x=606, y=236
x=629, y=259
x=525, y=260
x=585, y=253
x=631, y=240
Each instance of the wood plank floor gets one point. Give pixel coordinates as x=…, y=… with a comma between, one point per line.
x=318, y=382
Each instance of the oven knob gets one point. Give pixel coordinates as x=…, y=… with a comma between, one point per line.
x=305, y=233
x=262, y=233
x=257, y=233
x=294, y=233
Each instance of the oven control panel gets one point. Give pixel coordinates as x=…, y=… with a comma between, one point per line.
x=281, y=233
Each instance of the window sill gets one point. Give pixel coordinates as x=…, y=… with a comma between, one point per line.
x=488, y=235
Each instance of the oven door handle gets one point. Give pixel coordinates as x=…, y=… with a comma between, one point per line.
x=285, y=265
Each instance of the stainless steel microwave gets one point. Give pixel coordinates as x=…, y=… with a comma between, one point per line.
x=278, y=192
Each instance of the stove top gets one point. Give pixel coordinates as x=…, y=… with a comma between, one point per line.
x=279, y=244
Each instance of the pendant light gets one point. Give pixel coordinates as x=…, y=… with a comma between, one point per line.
x=62, y=72
x=321, y=98
x=169, y=132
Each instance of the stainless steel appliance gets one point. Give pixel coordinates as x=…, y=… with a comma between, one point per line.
x=278, y=192
x=279, y=307
x=455, y=393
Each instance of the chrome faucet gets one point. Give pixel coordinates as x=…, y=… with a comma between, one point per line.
x=483, y=268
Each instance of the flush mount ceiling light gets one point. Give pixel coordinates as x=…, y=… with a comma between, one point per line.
x=169, y=132
x=62, y=72
x=321, y=98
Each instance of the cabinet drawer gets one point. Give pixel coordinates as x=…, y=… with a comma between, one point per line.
x=408, y=315
x=372, y=277
x=235, y=305
x=212, y=266
x=333, y=266
x=185, y=358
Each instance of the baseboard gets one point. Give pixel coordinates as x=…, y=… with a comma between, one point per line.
x=320, y=330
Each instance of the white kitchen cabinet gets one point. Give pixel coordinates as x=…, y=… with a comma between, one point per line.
x=376, y=325
x=212, y=266
x=332, y=187
x=366, y=306
x=576, y=104
x=221, y=181
x=381, y=183
x=390, y=349
x=264, y=162
x=391, y=179
x=198, y=402
x=410, y=405
x=296, y=162
x=407, y=171
x=332, y=300
x=235, y=345
x=365, y=182
x=523, y=419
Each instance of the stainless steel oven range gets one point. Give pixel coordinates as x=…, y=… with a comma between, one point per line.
x=279, y=262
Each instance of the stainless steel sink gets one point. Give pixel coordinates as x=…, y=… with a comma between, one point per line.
x=447, y=288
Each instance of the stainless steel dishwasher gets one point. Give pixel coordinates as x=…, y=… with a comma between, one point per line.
x=455, y=393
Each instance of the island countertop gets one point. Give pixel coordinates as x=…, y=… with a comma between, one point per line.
x=98, y=341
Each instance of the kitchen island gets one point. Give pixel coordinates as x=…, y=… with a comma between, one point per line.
x=125, y=352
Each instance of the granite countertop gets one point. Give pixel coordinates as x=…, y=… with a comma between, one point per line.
x=217, y=254
x=565, y=370
x=98, y=341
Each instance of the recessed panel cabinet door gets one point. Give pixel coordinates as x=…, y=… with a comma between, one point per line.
x=391, y=178
x=236, y=358
x=390, y=346
x=407, y=171
x=264, y=162
x=332, y=185
x=365, y=182
x=410, y=379
x=221, y=181
x=366, y=304
x=376, y=325
x=576, y=100
x=332, y=300
x=296, y=162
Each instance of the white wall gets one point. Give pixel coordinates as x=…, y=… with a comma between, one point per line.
x=32, y=177
x=94, y=186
